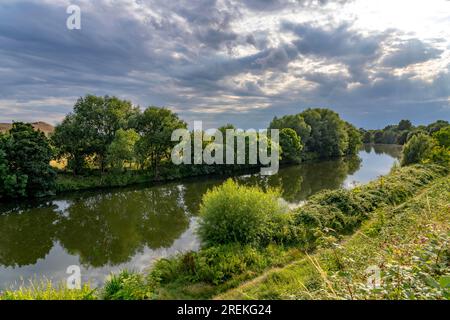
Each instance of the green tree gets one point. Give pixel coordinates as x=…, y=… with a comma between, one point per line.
x=155, y=126
x=443, y=137
x=121, y=148
x=12, y=184
x=436, y=126
x=233, y=213
x=291, y=146
x=71, y=143
x=354, y=139
x=329, y=137
x=91, y=128
x=417, y=149
x=402, y=138
x=294, y=122
x=404, y=125
x=25, y=162
x=378, y=136
x=441, y=151
x=367, y=136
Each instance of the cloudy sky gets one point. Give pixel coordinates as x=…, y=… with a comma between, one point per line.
x=228, y=61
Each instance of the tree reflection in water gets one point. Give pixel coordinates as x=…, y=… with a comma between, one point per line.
x=109, y=228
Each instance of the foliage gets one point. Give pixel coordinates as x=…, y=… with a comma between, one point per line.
x=291, y=146
x=440, y=152
x=329, y=137
x=400, y=133
x=235, y=213
x=155, y=125
x=354, y=140
x=408, y=243
x=127, y=286
x=417, y=149
x=25, y=169
x=11, y=184
x=329, y=214
x=91, y=128
x=322, y=132
x=442, y=137
x=436, y=126
x=46, y=290
x=214, y=269
x=295, y=122
x=404, y=125
x=121, y=148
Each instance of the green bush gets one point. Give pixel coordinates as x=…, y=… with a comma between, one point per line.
x=45, y=290
x=25, y=169
x=329, y=214
x=417, y=149
x=234, y=213
x=127, y=286
x=219, y=264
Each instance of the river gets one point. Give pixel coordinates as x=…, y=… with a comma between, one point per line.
x=129, y=228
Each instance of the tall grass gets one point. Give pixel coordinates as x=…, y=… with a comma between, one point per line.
x=46, y=290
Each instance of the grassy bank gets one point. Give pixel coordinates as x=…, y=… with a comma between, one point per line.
x=94, y=179
x=409, y=243
x=308, y=246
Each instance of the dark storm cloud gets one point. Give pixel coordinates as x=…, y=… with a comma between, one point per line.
x=182, y=54
x=270, y=5
x=411, y=52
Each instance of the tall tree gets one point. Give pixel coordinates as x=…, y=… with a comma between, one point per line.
x=354, y=139
x=295, y=122
x=329, y=137
x=404, y=125
x=27, y=169
x=91, y=128
x=291, y=146
x=155, y=126
x=417, y=149
x=122, y=148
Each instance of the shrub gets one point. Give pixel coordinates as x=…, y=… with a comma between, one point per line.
x=329, y=214
x=219, y=264
x=291, y=146
x=127, y=286
x=25, y=169
x=234, y=213
x=417, y=149
x=45, y=290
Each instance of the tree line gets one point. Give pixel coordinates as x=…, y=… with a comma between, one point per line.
x=107, y=135
x=400, y=133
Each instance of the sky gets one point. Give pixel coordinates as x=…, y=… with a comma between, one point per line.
x=374, y=62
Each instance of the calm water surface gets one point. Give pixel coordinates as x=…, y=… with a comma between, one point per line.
x=107, y=231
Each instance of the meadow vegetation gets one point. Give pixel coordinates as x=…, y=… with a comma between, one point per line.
x=107, y=142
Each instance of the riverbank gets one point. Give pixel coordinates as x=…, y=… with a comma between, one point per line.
x=95, y=180
x=66, y=182
x=216, y=270
x=408, y=244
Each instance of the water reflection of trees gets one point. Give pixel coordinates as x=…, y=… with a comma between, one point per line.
x=115, y=226
x=393, y=150
x=25, y=238
x=111, y=227
x=108, y=228
x=297, y=183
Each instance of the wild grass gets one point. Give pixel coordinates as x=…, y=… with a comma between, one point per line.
x=314, y=246
x=47, y=290
x=409, y=243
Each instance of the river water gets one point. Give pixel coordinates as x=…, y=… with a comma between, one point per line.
x=128, y=228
